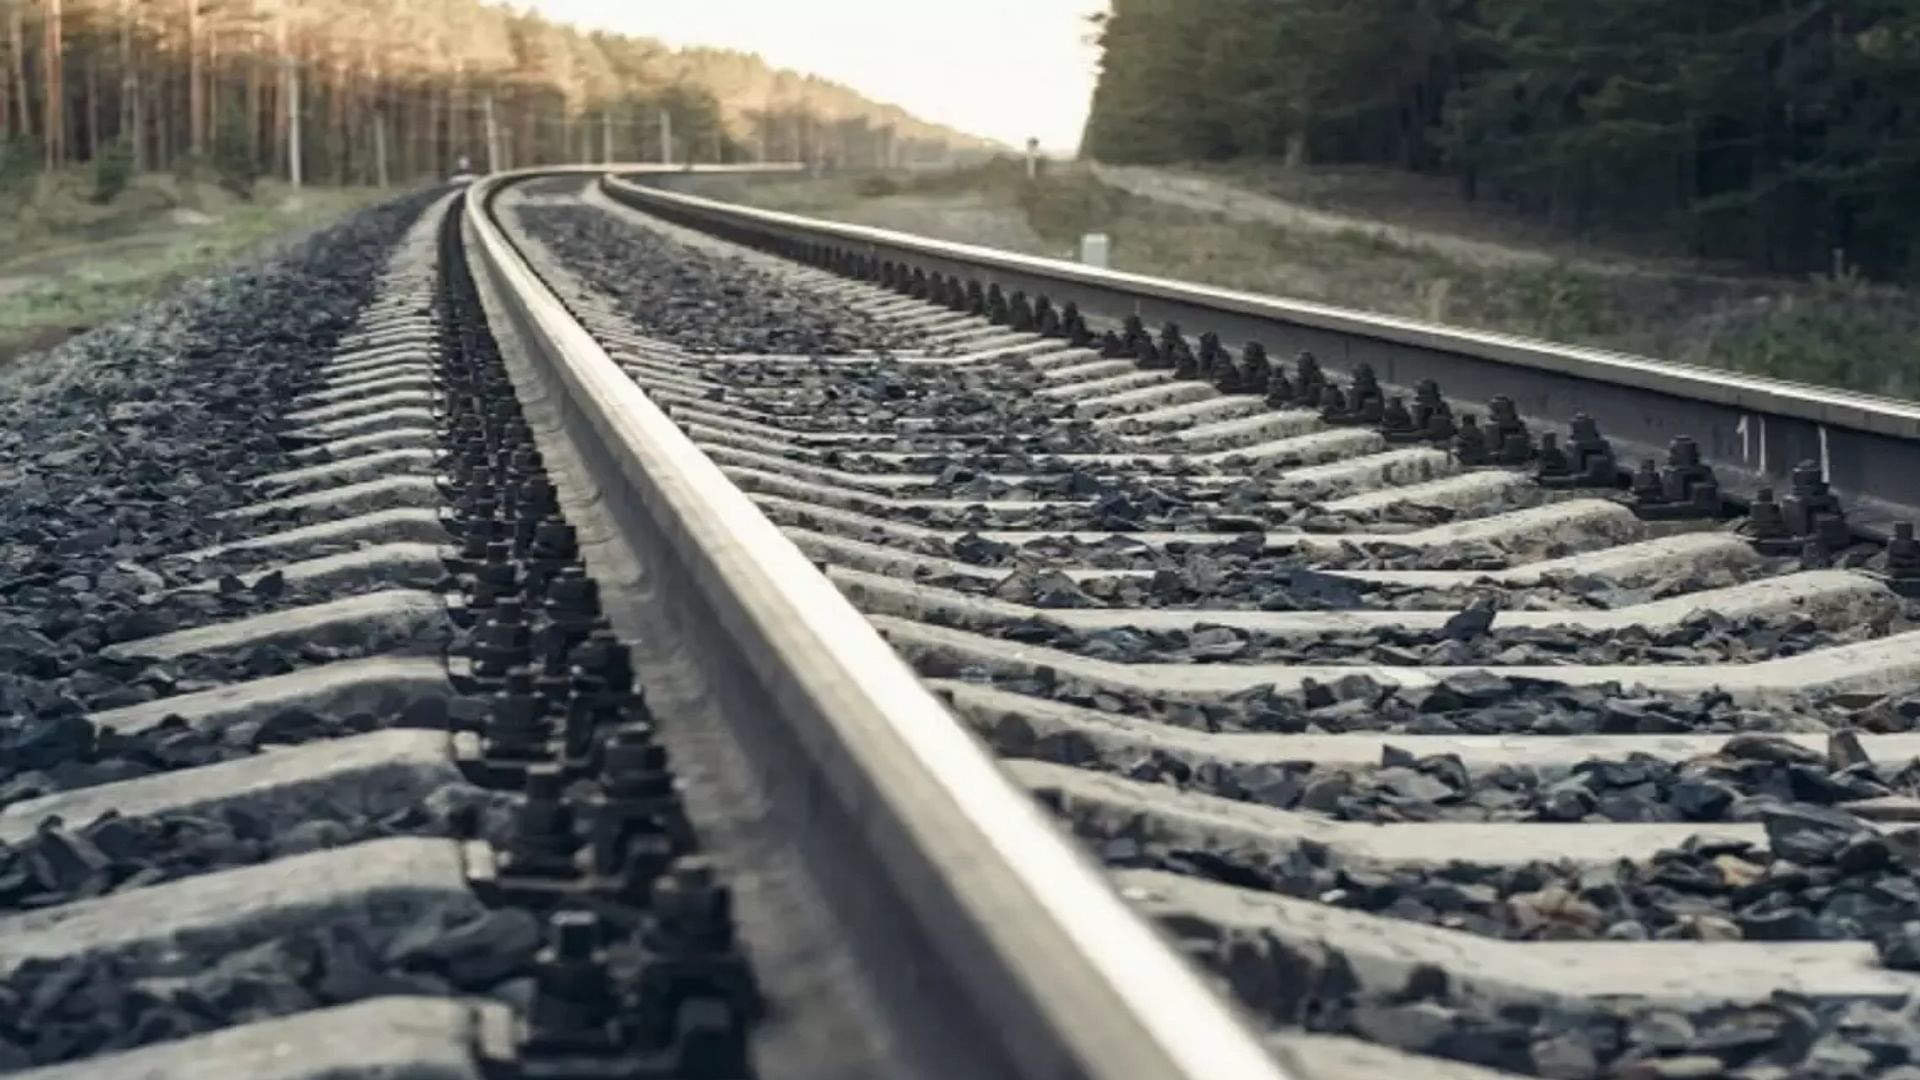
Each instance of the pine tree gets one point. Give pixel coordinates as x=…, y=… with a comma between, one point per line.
x=1777, y=131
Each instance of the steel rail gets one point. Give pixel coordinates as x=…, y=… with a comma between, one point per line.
x=932, y=837
x=1752, y=430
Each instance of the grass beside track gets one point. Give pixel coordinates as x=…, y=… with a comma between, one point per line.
x=67, y=265
x=1833, y=331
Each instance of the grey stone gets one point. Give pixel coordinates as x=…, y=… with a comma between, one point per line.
x=1810, y=835
x=1416, y=1026
x=1566, y=1056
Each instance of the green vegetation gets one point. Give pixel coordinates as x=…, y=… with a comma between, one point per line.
x=19, y=165
x=233, y=156
x=1842, y=332
x=1847, y=332
x=1772, y=132
x=1064, y=206
x=73, y=262
x=414, y=85
x=112, y=171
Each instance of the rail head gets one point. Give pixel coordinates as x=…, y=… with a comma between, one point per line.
x=1042, y=945
x=1839, y=407
x=1754, y=429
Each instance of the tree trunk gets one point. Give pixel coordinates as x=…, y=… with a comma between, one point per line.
x=435, y=117
x=254, y=108
x=163, y=117
x=137, y=123
x=366, y=101
x=338, y=123
x=17, y=50
x=52, y=62
x=6, y=91
x=406, y=117
x=419, y=138
x=290, y=72
x=93, y=105
x=196, y=116
x=380, y=147
x=493, y=136
x=529, y=149
x=210, y=87
x=449, y=122
x=130, y=88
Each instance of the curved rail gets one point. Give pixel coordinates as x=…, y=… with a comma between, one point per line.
x=1226, y=639
x=945, y=855
x=1753, y=430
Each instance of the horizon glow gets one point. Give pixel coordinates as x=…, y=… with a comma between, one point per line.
x=1005, y=69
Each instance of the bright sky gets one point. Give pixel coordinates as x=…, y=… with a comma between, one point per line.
x=1006, y=69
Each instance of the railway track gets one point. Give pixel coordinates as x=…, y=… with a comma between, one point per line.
x=1475, y=754
x=365, y=785
x=571, y=677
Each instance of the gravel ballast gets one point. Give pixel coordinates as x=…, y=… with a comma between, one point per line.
x=990, y=448
x=120, y=448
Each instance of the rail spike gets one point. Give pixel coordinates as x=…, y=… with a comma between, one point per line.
x=1360, y=403
x=1310, y=382
x=1902, y=561
x=1396, y=422
x=1255, y=368
x=1586, y=462
x=997, y=310
x=1507, y=435
x=1046, y=321
x=1811, y=523
x=1074, y=326
x=1173, y=345
x=1470, y=443
x=1211, y=356
x=1020, y=314
x=1685, y=488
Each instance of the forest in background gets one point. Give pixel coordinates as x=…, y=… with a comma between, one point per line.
x=1784, y=134
x=391, y=91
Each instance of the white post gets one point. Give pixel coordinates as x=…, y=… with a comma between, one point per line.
x=666, y=137
x=1033, y=158
x=1095, y=249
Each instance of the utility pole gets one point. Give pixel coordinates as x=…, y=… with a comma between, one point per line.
x=493, y=134
x=666, y=137
x=606, y=136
